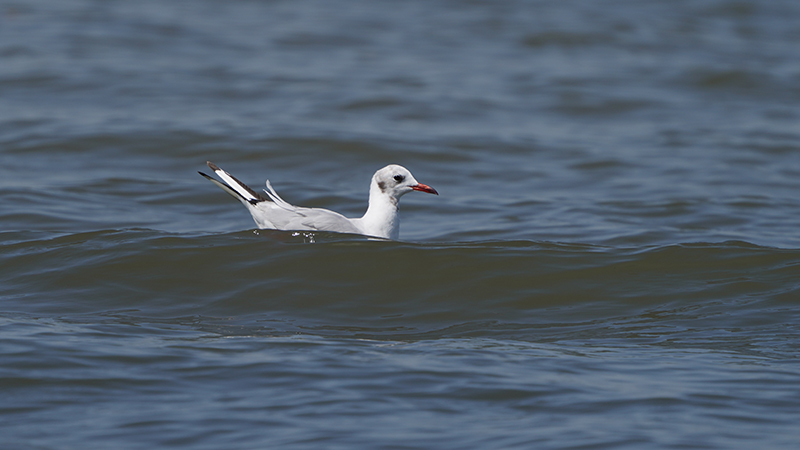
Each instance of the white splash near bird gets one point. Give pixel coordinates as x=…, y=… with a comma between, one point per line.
x=381, y=219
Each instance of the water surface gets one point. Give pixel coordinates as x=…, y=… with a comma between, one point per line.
x=613, y=260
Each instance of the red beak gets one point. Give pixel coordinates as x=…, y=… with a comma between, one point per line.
x=424, y=188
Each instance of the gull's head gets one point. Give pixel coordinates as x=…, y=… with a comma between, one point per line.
x=395, y=181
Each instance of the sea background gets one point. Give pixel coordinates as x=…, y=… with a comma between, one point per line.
x=613, y=261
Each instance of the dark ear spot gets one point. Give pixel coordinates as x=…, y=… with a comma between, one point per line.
x=382, y=186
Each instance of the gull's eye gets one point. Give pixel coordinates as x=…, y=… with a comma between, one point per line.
x=399, y=178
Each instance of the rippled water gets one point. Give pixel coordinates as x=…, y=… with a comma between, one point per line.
x=613, y=261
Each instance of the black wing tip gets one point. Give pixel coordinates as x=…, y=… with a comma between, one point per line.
x=208, y=177
x=258, y=198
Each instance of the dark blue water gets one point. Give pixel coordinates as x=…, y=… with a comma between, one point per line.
x=613, y=260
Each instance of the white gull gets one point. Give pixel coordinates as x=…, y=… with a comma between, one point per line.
x=380, y=220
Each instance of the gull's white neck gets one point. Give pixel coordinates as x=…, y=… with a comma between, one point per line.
x=381, y=218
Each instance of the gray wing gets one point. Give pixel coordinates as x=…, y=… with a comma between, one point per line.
x=276, y=213
x=315, y=219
